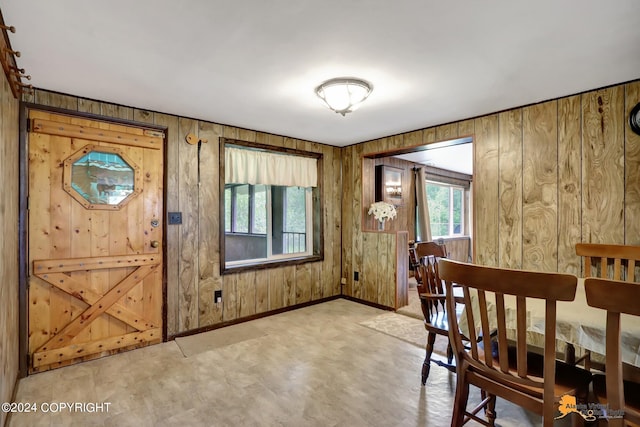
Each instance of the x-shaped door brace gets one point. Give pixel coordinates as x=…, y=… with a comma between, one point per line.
x=54, y=271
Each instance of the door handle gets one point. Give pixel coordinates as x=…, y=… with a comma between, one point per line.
x=155, y=243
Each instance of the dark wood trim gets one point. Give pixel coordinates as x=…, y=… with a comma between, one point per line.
x=369, y=303
x=253, y=317
x=221, y=205
x=23, y=309
x=318, y=222
x=165, y=225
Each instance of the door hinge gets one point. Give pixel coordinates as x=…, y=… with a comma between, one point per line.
x=28, y=356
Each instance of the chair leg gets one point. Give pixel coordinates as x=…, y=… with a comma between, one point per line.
x=426, y=365
x=582, y=397
x=489, y=408
x=449, y=354
x=490, y=411
x=460, y=400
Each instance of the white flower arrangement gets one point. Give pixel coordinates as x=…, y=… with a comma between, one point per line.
x=382, y=211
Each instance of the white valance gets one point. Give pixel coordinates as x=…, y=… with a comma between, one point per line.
x=242, y=166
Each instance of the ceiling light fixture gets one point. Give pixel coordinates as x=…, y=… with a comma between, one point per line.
x=343, y=95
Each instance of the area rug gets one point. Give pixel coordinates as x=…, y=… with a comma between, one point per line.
x=405, y=328
x=413, y=309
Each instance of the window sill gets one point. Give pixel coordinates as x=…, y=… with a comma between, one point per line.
x=262, y=265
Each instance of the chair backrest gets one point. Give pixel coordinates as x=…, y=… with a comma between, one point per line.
x=617, y=262
x=419, y=251
x=616, y=297
x=424, y=249
x=504, y=365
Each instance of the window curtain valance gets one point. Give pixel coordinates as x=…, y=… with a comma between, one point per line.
x=268, y=168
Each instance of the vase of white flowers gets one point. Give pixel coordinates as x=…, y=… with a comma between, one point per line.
x=382, y=211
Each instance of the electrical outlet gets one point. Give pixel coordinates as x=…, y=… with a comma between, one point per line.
x=175, y=217
x=343, y=281
x=356, y=276
x=217, y=296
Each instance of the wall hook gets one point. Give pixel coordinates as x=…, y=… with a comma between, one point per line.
x=7, y=27
x=11, y=51
x=192, y=139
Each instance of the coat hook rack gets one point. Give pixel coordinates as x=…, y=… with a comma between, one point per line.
x=13, y=73
x=192, y=139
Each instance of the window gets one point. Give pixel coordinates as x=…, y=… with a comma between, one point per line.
x=268, y=219
x=245, y=209
x=446, y=209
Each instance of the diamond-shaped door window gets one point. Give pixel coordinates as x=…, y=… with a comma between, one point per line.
x=101, y=177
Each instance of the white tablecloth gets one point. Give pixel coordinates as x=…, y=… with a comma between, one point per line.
x=576, y=323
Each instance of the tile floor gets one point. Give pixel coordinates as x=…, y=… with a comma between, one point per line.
x=315, y=366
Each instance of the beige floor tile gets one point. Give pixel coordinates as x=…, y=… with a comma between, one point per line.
x=314, y=366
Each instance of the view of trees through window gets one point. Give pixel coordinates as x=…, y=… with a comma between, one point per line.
x=295, y=221
x=264, y=212
x=446, y=209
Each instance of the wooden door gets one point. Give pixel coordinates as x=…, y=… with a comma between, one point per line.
x=95, y=239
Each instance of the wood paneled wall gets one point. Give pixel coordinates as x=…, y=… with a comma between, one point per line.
x=193, y=256
x=546, y=176
x=9, y=148
x=404, y=220
x=458, y=248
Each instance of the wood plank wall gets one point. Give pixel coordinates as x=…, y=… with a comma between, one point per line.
x=403, y=220
x=193, y=257
x=546, y=176
x=8, y=244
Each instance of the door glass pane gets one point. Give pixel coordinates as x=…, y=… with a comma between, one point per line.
x=102, y=178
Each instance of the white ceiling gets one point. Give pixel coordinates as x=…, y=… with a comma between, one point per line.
x=456, y=157
x=255, y=63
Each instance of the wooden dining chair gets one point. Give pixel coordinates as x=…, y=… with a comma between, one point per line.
x=616, y=297
x=617, y=262
x=433, y=304
x=508, y=368
x=419, y=250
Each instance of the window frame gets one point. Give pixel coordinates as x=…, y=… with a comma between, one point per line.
x=315, y=239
